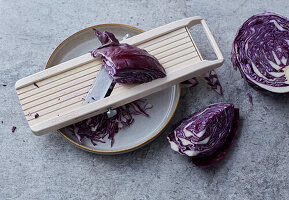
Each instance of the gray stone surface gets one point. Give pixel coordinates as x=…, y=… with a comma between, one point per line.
x=48, y=167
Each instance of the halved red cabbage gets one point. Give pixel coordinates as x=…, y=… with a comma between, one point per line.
x=261, y=52
x=207, y=134
x=127, y=64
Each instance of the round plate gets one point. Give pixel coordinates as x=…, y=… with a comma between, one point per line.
x=144, y=129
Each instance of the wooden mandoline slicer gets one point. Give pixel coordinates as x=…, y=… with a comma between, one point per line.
x=57, y=93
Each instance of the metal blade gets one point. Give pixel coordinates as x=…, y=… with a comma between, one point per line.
x=99, y=87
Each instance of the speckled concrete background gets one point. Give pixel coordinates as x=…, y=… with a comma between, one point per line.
x=48, y=167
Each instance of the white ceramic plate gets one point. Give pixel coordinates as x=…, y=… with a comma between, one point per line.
x=143, y=129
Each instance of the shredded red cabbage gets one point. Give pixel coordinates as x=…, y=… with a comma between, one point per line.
x=213, y=81
x=13, y=129
x=35, y=84
x=261, y=52
x=250, y=98
x=127, y=64
x=207, y=134
x=190, y=83
x=100, y=126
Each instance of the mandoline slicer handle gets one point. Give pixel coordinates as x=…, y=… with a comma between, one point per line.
x=199, y=20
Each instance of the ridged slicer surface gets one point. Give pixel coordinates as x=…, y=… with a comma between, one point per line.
x=66, y=91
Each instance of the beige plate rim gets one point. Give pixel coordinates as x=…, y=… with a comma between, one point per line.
x=116, y=151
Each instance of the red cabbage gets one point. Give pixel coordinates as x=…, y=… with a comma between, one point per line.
x=250, y=98
x=127, y=64
x=13, y=129
x=207, y=134
x=208, y=161
x=98, y=127
x=261, y=52
x=212, y=80
x=190, y=83
x=35, y=84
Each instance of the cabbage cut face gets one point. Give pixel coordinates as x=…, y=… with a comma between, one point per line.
x=127, y=64
x=261, y=52
x=207, y=134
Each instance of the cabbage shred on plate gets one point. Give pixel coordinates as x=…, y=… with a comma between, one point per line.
x=100, y=126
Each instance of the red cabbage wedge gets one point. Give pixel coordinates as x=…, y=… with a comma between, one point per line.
x=127, y=64
x=261, y=51
x=206, y=135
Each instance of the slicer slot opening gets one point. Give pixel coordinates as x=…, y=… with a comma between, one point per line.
x=201, y=42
